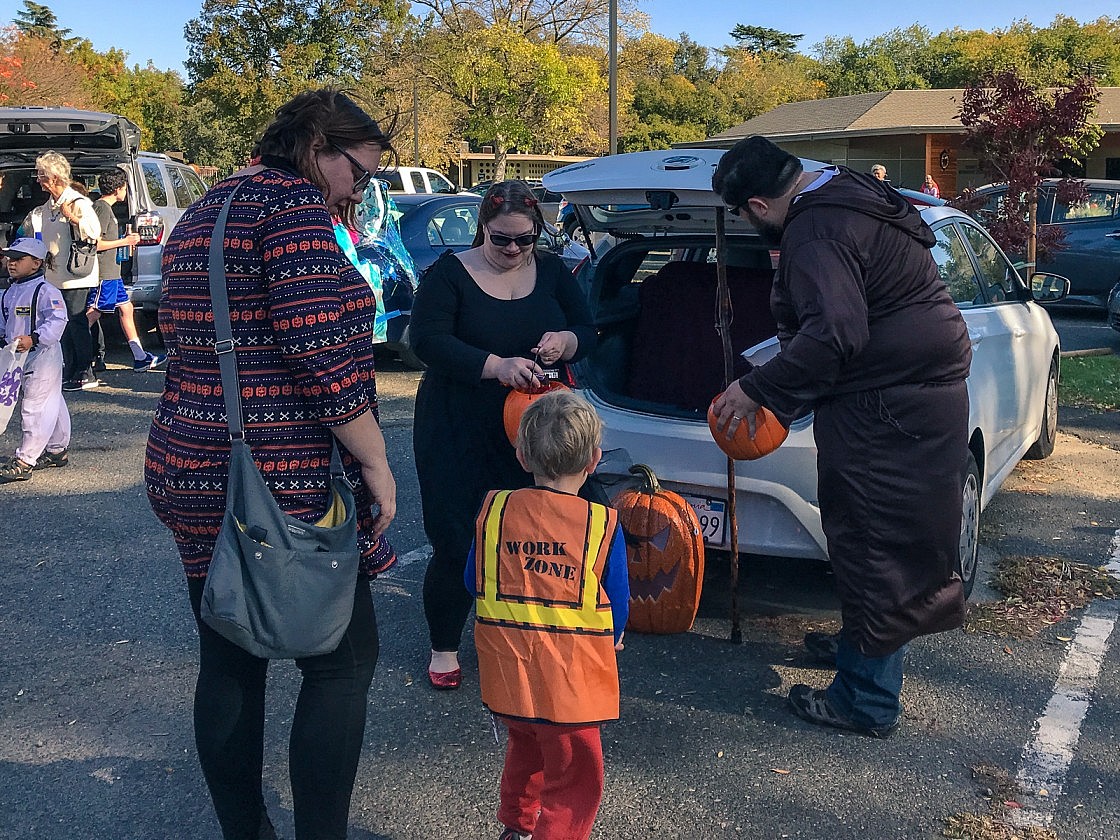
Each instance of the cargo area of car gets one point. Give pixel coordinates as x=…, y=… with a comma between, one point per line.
x=655, y=304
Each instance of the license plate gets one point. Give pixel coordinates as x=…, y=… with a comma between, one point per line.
x=712, y=514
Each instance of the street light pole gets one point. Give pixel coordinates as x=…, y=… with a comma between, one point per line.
x=612, y=78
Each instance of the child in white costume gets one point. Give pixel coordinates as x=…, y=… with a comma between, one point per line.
x=32, y=318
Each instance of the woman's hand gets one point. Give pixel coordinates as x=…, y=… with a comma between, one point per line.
x=556, y=346
x=72, y=211
x=383, y=489
x=514, y=372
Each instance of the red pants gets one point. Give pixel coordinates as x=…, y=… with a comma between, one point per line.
x=554, y=771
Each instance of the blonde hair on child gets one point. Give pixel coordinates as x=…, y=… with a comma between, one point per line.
x=559, y=434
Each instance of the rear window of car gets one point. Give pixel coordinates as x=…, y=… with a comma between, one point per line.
x=153, y=180
x=393, y=178
x=1098, y=204
x=183, y=196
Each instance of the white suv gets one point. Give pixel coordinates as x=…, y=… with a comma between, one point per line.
x=159, y=188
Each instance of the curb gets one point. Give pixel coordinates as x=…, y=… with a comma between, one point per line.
x=1095, y=351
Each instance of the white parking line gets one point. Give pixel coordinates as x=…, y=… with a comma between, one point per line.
x=1046, y=759
x=417, y=555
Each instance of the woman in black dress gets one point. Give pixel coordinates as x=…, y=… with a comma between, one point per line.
x=484, y=321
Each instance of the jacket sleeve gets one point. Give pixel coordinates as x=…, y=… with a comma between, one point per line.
x=50, y=315
x=617, y=583
x=826, y=289
x=469, y=579
x=431, y=327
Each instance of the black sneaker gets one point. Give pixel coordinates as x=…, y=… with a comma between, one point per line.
x=72, y=385
x=822, y=646
x=14, y=470
x=812, y=704
x=52, y=459
x=99, y=364
x=514, y=834
x=151, y=361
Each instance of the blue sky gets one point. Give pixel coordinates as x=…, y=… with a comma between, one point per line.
x=155, y=31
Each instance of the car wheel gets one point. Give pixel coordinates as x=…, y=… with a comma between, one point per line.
x=574, y=231
x=1044, y=446
x=970, y=526
x=408, y=358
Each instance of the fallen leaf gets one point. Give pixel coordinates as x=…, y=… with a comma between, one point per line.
x=1011, y=803
x=779, y=772
x=1064, y=638
x=1008, y=651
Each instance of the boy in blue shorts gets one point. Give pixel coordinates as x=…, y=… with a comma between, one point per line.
x=110, y=294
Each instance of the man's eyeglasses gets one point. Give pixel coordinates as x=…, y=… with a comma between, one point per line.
x=503, y=241
x=363, y=179
x=736, y=210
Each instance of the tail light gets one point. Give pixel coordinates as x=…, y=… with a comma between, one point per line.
x=150, y=227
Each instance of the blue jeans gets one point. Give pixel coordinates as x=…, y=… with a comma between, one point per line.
x=866, y=689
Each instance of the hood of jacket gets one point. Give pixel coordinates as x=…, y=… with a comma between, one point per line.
x=870, y=196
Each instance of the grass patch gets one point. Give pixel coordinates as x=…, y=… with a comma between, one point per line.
x=1091, y=381
x=1038, y=592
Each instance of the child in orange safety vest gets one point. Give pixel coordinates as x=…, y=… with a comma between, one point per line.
x=548, y=572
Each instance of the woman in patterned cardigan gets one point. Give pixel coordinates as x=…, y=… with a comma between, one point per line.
x=302, y=321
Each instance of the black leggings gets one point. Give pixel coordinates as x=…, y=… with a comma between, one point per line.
x=327, y=730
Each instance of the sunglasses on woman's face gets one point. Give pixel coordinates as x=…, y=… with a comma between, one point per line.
x=503, y=241
x=363, y=180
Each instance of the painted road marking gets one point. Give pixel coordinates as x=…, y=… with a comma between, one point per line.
x=417, y=555
x=1047, y=758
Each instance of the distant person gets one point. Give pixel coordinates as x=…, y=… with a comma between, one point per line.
x=929, y=187
x=879, y=171
x=66, y=214
x=110, y=294
x=872, y=342
x=33, y=318
x=549, y=621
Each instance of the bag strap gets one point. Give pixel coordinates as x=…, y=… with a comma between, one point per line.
x=34, y=308
x=224, y=345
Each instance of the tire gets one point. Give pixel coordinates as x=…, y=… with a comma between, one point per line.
x=574, y=231
x=1044, y=446
x=969, y=547
x=408, y=358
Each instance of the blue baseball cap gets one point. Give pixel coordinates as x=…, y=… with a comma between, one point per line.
x=26, y=247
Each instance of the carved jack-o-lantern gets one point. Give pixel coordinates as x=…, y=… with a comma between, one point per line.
x=664, y=553
x=517, y=401
x=769, y=435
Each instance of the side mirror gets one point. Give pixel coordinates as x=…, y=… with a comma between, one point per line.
x=1048, y=288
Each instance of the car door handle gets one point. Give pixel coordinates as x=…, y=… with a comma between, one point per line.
x=1114, y=235
x=975, y=338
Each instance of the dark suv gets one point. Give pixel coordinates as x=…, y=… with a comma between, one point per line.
x=1091, y=258
x=159, y=188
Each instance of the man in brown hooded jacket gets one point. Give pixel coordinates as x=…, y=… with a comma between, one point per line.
x=874, y=345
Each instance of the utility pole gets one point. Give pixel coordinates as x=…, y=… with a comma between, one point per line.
x=612, y=81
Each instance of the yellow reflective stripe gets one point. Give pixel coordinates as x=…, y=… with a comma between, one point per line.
x=587, y=616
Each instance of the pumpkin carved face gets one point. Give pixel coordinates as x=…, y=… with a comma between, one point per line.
x=517, y=401
x=665, y=556
x=769, y=435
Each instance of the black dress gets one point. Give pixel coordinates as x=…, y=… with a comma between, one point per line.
x=458, y=438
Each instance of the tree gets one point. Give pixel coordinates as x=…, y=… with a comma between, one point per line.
x=38, y=21
x=555, y=21
x=763, y=41
x=32, y=72
x=518, y=92
x=1020, y=133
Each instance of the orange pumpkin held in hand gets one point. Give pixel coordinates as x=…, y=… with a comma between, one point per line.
x=517, y=401
x=664, y=556
x=769, y=435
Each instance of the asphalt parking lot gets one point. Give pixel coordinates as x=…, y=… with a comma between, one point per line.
x=95, y=693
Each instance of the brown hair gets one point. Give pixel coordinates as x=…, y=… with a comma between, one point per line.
x=328, y=115
x=506, y=197
x=558, y=434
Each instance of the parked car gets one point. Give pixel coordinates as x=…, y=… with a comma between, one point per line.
x=549, y=201
x=431, y=225
x=416, y=179
x=159, y=188
x=1091, y=256
x=659, y=361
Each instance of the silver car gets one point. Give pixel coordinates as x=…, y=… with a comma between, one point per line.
x=659, y=359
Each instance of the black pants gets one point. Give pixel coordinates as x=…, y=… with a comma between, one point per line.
x=77, y=341
x=327, y=730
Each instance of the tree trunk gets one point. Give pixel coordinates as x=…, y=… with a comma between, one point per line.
x=501, y=154
x=1032, y=233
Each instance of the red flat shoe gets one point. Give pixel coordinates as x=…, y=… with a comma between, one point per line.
x=446, y=681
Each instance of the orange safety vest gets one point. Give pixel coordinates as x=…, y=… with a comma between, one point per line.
x=543, y=629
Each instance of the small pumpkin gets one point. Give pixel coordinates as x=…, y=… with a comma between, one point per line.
x=769, y=435
x=664, y=554
x=517, y=401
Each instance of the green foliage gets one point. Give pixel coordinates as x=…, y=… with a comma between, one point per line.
x=762, y=41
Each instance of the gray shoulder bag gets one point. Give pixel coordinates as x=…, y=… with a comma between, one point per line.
x=278, y=587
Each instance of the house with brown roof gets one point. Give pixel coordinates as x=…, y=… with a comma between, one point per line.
x=910, y=132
